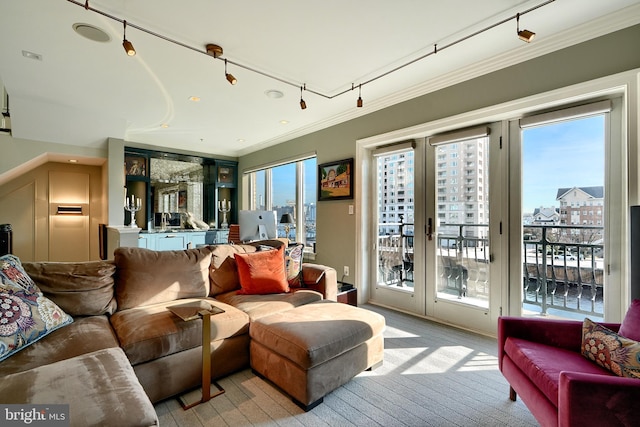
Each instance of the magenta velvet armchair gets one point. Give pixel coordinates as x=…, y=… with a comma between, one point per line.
x=542, y=361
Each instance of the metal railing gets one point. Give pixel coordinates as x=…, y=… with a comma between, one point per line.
x=562, y=265
x=563, y=268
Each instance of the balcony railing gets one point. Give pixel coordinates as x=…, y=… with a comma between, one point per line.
x=562, y=268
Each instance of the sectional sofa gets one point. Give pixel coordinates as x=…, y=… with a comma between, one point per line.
x=122, y=350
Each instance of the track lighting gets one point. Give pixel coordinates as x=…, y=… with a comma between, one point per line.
x=524, y=35
x=216, y=51
x=303, y=105
x=229, y=77
x=128, y=47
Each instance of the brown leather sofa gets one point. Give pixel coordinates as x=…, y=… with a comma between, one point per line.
x=120, y=307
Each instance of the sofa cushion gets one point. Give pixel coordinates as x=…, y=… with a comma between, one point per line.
x=257, y=306
x=79, y=288
x=99, y=387
x=262, y=272
x=26, y=316
x=630, y=326
x=146, y=277
x=152, y=331
x=543, y=363
x=603, y=346
x=84, y=335
x=219, y=253
x=224, y=278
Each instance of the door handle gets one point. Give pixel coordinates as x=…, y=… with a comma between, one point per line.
x=430, y=229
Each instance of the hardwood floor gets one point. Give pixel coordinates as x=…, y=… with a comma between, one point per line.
x=433, y=375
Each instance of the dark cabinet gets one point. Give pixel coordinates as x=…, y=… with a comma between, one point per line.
x=174, y=186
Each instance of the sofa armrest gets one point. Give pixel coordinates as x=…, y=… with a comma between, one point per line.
x=322, y=279
x=566, y=334
x=609, y=399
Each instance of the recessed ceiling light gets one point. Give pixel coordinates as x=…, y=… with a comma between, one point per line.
x=32, y=55
x=274, y=94
x=240, y=140
x=165, y=125
x=284, y=122
x=91, y=32
x=194, y=98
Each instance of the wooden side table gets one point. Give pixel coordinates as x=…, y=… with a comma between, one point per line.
x=349, y=296
x=192, y=311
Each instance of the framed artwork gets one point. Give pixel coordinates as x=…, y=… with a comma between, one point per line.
x=335, y=180
x=135, y=165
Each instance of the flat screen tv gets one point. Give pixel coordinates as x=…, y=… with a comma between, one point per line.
x=257, y=225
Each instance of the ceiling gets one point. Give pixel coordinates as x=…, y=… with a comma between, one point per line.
x=80, y=91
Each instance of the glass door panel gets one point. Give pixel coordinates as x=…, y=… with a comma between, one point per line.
x=395, y=225
x=563, y=218
x=462, y=212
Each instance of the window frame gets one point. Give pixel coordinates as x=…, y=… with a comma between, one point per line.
x=299, y=206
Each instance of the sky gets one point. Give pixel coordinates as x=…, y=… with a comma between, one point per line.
x=564, y=155
x=284, y=183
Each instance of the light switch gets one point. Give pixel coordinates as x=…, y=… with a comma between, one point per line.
x=350, y=209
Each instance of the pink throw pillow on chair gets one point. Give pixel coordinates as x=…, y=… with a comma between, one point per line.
x=630, y=327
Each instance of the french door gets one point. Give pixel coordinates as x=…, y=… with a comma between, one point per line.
x=397, y=268
x=465, y=209
x=436, y=243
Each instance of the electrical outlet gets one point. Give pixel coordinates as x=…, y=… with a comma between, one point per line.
x=345, y=270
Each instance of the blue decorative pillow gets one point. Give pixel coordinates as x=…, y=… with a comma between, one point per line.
x=25, y=314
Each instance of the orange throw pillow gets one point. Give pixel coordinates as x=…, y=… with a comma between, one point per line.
x=262, y=272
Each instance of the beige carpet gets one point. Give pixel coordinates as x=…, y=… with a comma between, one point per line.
x=433, y=375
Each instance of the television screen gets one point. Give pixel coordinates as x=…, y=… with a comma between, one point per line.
x=257, y=225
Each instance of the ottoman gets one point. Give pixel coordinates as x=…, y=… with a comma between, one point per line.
x=313, y=349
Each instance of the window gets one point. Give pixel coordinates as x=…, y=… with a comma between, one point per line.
x=288, y=188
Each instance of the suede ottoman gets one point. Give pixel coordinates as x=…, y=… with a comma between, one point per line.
x=313, y=349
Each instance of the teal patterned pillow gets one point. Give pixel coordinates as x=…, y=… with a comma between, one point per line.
x=25, y=314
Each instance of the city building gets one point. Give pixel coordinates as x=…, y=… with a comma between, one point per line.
x=581, y=205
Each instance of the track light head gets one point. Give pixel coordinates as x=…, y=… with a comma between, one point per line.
x=524, y=35
x=359, y=103
x=228, y=76
x=128, y=46
x=303, y=105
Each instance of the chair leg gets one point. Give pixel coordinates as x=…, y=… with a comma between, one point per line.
x=512, y=394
